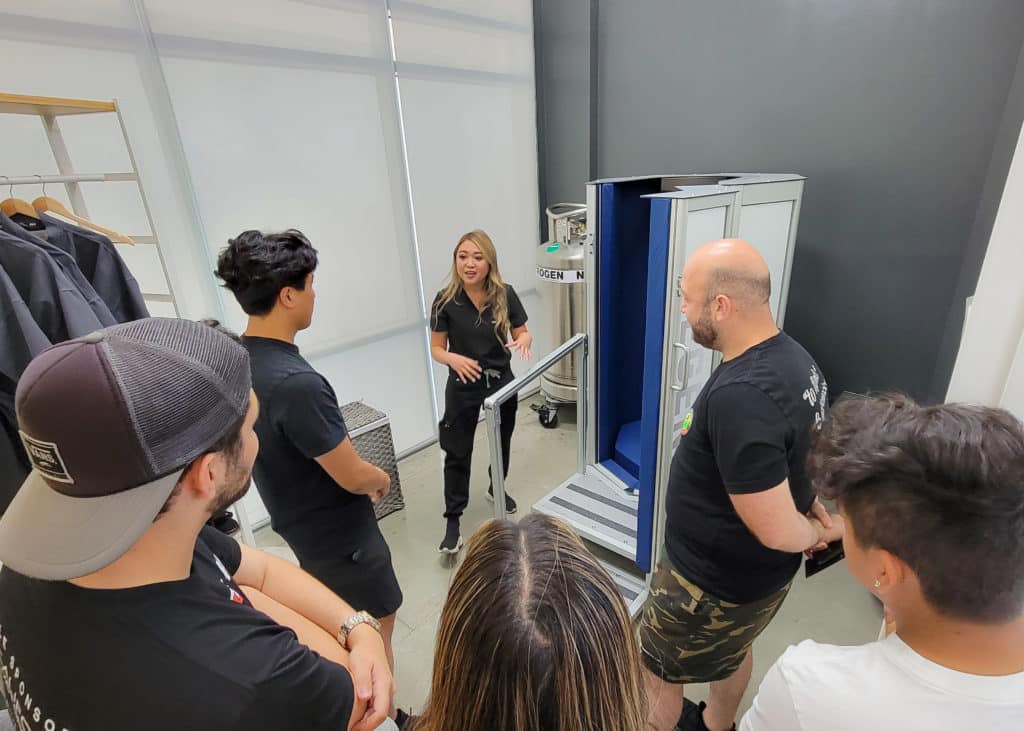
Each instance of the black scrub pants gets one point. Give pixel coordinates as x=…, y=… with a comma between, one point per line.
x=462, y=402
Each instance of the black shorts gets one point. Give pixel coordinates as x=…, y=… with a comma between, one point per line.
x=363, y=577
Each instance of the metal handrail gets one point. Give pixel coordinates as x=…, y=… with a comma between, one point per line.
x=492, y=411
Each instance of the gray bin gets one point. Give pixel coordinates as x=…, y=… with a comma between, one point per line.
x=370, y=432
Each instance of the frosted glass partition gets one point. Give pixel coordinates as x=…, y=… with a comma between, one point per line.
x=512, y=12
x=474, y=166
x=495, y=37
x=333, y=186
x=465, y=73
x=277, y=113
x=110, y=16
x=351, y=27
x=288, y=120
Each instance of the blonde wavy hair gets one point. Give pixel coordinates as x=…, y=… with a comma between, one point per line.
x=497, y=294
x=534, y=636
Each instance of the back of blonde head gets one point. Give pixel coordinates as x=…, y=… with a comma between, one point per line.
x=534, y=636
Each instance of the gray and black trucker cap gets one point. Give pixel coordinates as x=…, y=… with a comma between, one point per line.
x=109, y=422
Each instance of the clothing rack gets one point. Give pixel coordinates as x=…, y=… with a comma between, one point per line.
x=77, y=178
x=50, y=110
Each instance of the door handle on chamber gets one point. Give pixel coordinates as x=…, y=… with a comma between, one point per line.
x=679, y=384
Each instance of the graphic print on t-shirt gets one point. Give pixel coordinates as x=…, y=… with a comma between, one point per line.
x=687, y=423
x=234, y=592
x=20, y=703
x=817, y=396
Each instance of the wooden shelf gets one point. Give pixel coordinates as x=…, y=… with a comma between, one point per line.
x=38, y=105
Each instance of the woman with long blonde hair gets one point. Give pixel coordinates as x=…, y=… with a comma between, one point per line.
x=476, y=322
x=534, y=636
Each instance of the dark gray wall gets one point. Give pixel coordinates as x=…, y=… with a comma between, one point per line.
x=562, y=32
x=891, y=108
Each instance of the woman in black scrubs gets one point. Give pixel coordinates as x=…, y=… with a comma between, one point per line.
x=476, y=323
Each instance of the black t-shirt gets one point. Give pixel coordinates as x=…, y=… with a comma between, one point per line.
x=750, y=429
x=300, y=420
x=471, y=332
x=189, y=654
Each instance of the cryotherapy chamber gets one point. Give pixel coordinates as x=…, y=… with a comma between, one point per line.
x=645, y=370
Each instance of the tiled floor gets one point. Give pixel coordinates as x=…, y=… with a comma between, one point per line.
x=830, y=607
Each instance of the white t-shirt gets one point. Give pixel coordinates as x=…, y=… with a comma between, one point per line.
x=884, y=686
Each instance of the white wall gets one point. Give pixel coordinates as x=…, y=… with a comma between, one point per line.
x=990, y=364
x=1013, y=393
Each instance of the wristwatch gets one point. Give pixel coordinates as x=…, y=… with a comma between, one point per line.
x=354, y=621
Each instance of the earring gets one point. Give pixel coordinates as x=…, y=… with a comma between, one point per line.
x=878, y=584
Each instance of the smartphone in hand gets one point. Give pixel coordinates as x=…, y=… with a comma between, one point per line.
x=821, y=560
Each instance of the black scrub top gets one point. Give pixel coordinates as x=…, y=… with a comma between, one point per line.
x=471, y=332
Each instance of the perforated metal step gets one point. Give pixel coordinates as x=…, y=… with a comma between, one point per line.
x=599, y=511
x=633, y=587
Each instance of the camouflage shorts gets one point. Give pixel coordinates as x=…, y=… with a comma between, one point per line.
x=688, y=636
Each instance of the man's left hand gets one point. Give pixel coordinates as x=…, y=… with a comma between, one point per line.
x=818, y=511
x=371, y=675
x=834, y=525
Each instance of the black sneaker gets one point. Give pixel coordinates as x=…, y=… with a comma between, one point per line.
x=510, y=504
x=452, y=542
x=225, y=523
x=404, y=720
x=692, y=717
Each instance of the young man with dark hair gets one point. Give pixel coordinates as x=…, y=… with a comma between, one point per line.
x=933, y=498
x=118, y=607
x=317, y=489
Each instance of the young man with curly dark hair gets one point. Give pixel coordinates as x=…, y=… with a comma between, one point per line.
x=317, y=489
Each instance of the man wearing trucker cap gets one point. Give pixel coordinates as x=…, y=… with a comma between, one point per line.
x=119, y=609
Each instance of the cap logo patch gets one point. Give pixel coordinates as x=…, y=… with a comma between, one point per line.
x=46, y=459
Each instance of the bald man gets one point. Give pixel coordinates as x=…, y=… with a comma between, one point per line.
x=740, y=507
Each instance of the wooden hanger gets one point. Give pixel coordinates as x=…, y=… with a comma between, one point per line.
x=52, y=205
x=13, y=205
x=17, y=205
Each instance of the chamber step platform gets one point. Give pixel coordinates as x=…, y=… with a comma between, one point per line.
x=633, y=587
x=600, y=512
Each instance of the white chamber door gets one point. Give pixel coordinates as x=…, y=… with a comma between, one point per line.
x=694, y=222
x=686, y=365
